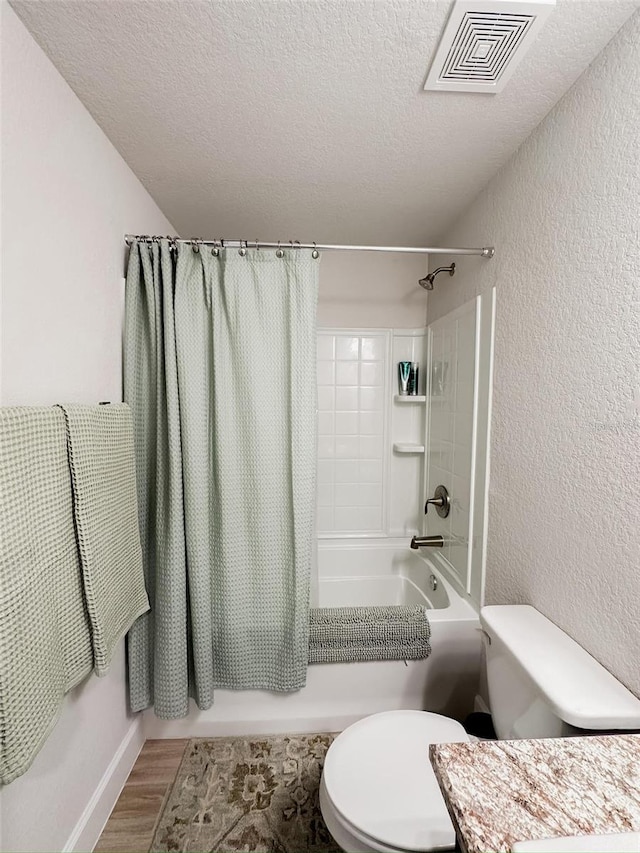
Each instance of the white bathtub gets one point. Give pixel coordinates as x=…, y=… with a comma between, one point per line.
x=365, y=575
x=352, y=573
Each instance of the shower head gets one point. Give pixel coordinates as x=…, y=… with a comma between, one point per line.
x=427, y=281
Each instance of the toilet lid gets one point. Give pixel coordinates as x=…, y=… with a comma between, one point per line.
x=378, y=776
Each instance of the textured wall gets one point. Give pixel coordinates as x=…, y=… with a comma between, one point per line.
x=564, y=214
x=67, y=199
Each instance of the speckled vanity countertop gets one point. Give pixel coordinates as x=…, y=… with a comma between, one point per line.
x=500, y=792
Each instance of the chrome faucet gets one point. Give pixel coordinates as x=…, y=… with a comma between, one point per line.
x=427, y=542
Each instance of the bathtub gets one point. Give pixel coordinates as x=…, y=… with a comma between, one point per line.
x=359, y=573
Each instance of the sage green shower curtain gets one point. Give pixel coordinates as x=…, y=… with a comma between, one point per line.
x=220, y=375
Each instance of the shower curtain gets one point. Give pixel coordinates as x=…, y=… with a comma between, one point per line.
x=220, y=375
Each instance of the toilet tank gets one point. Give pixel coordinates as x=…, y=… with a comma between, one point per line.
x=543, y=684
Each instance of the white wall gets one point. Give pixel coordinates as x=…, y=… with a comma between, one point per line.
x=564, y=522
x=369, y=290
x=67, y=200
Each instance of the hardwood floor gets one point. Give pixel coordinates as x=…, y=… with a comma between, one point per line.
x=133, y=819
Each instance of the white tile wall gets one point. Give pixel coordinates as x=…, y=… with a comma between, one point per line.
x=353, y=391
x=366, y=489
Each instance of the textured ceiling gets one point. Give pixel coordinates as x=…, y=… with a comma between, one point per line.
x=304, y=119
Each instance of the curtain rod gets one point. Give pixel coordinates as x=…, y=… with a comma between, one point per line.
x=485, y=252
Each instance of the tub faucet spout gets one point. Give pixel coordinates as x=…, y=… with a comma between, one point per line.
x=427, y=542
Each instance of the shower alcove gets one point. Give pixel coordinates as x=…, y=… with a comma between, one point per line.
x=371, y=495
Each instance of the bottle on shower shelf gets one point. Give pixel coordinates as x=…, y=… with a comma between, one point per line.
x=413, y=379
x=408, y=378
x=404, y=374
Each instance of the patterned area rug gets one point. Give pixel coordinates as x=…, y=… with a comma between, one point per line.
x=257, y=794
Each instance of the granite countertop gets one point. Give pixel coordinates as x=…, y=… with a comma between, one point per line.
x=500, y=792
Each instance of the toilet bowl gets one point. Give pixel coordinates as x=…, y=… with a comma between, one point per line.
x=378, y=791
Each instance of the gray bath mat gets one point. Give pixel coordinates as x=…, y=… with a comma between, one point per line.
x=347, y=634
x=257, y=794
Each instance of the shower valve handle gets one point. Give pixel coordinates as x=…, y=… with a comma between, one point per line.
x=441, y=501
x=433, y=502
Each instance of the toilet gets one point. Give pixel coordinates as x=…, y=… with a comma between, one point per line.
x=378, y=790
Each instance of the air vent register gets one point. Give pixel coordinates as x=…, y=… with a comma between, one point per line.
x=483, y=42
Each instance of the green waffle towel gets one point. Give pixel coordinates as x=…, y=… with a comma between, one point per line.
x=348, y=634
x=71, y=577
x=100, y=446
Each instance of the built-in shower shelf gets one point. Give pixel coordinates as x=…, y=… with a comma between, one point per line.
x=410, y=398
x=405, y=447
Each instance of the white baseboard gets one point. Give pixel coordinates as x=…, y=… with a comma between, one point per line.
x=188, y=728
x=88, y=829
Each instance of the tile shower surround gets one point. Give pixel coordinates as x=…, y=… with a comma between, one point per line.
x=352, y=432
x=451, y=429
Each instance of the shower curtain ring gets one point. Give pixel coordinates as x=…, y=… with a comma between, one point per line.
x=243, y=249
x=194, y=244
x=257, y=245
x=279, y=251
x=215, y=251
x=299, y=246
x=315, y=253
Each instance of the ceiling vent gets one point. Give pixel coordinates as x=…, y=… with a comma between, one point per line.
x=483, y=42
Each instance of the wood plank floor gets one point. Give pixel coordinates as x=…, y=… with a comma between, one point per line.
x=133, y=820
